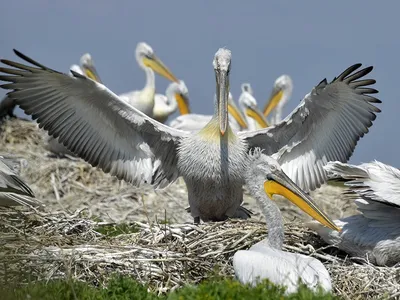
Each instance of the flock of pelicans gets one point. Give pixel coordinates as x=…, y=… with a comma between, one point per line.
x=217, y=155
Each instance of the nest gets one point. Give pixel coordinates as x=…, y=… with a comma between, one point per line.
x=94, y=226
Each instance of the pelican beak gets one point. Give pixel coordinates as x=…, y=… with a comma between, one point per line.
x=222, y=98
x=234, y=112
x=257, y=115
x=279, y=183
x=91, y=72
x=276, y=96
x=183, y=104
x=154, y=63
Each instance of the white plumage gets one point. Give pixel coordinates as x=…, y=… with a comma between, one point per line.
x=266, y=260
x=375, y=233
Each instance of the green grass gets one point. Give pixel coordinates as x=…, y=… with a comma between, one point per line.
x=124, y=288
x=117, y=229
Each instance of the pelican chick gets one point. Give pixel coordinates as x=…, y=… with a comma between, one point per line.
x=266, y=260
x=375, y=233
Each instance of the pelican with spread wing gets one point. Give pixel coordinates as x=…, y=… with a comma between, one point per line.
x=375, y=233
x=109, y=133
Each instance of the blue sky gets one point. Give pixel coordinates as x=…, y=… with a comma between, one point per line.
x=308, y=40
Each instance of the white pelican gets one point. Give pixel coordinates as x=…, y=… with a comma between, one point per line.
x=143, y=100
x=13, y=190
x=88, y=67
x=248, y=104
x=196, y=122
x=163, y=107
x=266, y=260
x=176, y=97
x=107, y=132
x=280, y=95
x=375, y=233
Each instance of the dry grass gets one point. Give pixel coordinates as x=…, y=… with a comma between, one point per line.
x=74, y=235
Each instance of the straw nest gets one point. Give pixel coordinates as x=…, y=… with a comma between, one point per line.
x=94, y=226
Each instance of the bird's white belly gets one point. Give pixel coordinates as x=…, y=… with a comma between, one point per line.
x=213, y=170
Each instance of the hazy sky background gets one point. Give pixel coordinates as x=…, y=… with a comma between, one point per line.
x=308, y=40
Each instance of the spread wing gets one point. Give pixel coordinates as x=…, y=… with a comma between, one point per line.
x=92, y=122
x=374, y=186
x=324, y=127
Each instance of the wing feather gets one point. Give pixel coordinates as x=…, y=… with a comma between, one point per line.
x=326, y=126
x=92, y=122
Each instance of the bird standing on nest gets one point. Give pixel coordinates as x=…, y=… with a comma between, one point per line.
x=266, y=260
x=109, y=133
x=375, y=233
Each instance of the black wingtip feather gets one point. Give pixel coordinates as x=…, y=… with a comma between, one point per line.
x=358, y=74
x=33, y=62
x=347, y=72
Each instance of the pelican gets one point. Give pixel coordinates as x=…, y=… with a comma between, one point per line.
x=280, y=95
x=164, y=105
x=143, y=100
x=107, y=132
x=196, y=122
x=266, y=260
x=248, y=104
x=88, y=67
x=13, y=190
x=375, y=233
x=176, y=97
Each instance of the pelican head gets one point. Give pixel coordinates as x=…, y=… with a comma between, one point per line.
x=246, y=87
x=76, y=69
x=277, y=182
x=181, y=95
x=222, y=66
x=146, y=58
x=88, y=67
x=282, y=89
x=250, y=107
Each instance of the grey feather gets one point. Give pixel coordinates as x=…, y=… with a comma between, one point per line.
x=375, y=233
x=324, y=127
